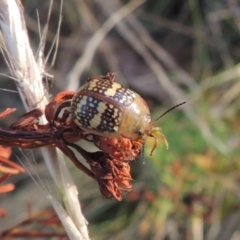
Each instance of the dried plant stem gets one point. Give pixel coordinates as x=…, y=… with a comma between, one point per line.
x=28, y=74
x=197, y=228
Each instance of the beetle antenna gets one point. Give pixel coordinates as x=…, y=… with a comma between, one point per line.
x=169, y=110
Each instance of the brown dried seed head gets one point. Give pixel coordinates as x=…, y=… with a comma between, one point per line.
x=123, y=149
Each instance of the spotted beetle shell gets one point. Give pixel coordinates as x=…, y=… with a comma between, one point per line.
x=106, y=108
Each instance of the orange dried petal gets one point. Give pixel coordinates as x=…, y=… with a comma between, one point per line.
x=122, y=149
x=7, y=188
x=5, y=152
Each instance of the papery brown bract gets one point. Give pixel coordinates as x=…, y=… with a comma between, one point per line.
x=122, y=149
x=7, y=168
x=53, y=106
x=113, y=176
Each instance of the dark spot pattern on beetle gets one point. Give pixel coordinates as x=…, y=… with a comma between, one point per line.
x=114, y=91
x=92, y=108
x=94, y=113
x=85, y=109
x=110, y=119
x=123, y=96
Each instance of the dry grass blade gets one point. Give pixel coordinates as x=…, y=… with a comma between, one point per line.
x=20, y=59
x=227, y=75
x=29, y=74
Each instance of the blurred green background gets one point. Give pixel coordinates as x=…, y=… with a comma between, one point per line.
x=169, y=52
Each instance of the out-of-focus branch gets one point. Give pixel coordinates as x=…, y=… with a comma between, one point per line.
x=85, y=60
x=176, y=94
